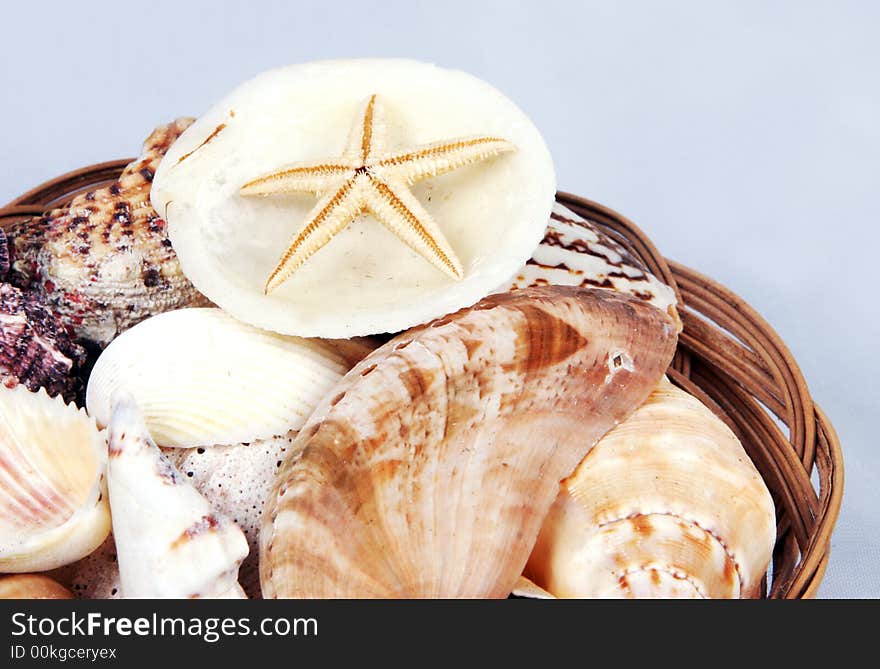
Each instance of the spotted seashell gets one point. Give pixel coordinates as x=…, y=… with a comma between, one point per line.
x=104, y=262
x=35, y=350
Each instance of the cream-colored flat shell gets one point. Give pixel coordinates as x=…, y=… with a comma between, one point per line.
x=203, y=378
x=365, y=280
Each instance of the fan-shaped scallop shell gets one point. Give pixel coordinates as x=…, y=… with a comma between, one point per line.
x=53, y=506
x=104, y=262
x=202, y=378
x=427, y=471
x=667, y=504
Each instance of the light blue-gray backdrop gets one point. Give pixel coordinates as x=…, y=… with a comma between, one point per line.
x=744, y=137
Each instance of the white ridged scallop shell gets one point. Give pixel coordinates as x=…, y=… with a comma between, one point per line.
x=170, y=542
x=668, y=504
x=202, y=378
x=53, y=506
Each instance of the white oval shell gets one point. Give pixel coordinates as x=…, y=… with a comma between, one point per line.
x=365, y=280
x=53, y=504
x=574, y=252
x=203, y=378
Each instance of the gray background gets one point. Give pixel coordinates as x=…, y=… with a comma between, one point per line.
x=742, y=136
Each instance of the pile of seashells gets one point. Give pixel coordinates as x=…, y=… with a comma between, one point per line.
x=348, y=346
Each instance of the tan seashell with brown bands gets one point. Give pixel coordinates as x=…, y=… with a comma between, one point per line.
x=428, y=470
x=666, y=505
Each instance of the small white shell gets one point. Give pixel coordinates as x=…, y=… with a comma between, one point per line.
x=202, y=378
x=53, y=505
x=170, y=542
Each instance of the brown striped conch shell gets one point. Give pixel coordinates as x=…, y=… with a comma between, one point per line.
x=32, y=586
x=575, y=252
x=428, y=471
x=170, y=542
x=104, y=262
x=53, y=503
x=35, y=349
x=667, y=504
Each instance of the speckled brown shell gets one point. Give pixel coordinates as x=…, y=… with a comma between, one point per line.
x=35, y=349
x=105, y=262
x=429, y=469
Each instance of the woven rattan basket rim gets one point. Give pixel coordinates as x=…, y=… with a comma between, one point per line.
x=728, y=356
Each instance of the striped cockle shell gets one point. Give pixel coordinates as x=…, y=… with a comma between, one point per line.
x=170, y=542
x=668, y=504
x=203, y=378
x=427, y=471
x=35, y=349
x=575, y=252
x=32, y=586
x=53, y=504
x=104, y=262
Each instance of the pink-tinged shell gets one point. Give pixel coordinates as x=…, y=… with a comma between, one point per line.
x=105, y=262
x=35, y=349
x=53, y=501
x=429, y=469
x=667, y=504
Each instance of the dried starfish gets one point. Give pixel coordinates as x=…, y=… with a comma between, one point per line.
x=368, y=178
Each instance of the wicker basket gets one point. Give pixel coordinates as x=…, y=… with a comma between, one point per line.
x=728, y=356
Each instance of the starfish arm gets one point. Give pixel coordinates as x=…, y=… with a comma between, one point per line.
x=397, y=209
x=368, y=133
x=313, y=177
x=332, y=213
x=430, y=160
